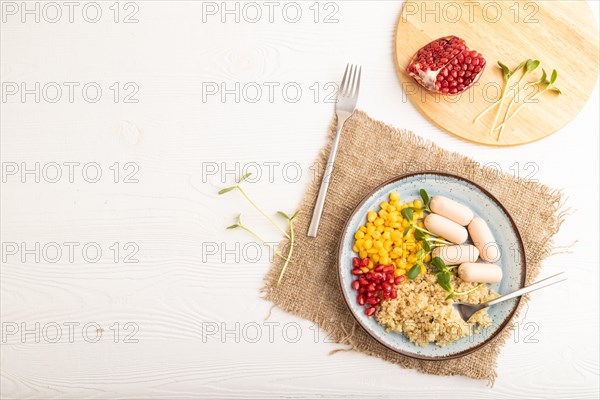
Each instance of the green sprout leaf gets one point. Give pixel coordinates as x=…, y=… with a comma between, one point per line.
x=450, y=296
x=505, y=70
x=229, y=189
x=426, y=246
x=425, y=198
x=420, y=236
x=531, y=65
x=553, y=77
x=243, y=178
x=233, y=226
x=438, y=263
x=284, y=215
x=406, y=231
x=555, y=89
x=295, y=215
x=414, y=271
x=408, y=214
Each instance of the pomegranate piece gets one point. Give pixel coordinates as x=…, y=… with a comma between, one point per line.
x=446, y=66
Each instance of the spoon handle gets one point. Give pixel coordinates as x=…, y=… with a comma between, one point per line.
x=527, y=289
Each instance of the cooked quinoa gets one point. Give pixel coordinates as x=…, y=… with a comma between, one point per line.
x=423, y=315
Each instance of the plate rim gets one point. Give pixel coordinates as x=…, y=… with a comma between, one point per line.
x=506, y=321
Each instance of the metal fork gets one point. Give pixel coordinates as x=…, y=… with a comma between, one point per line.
x=466, y=311
x=344, y=108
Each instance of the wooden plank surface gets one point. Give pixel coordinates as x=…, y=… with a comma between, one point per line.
x=180, y=290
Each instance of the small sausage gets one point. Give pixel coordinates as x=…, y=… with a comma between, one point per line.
x=482, y=238
x=480, y=273
x=445, y=228
x=456, y=255
x=452, y=210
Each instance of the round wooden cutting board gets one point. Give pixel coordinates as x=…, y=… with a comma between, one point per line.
x=563, y=35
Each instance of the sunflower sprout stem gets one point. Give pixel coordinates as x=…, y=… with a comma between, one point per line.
x=262, y=212
x=521, y=106
x=469, y=291
x=486, y=111
x=287, y=261
x=499, y=108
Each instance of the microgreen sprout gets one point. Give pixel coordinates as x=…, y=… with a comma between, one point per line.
x=238, y=187
x=239, y=224
x=408, y=214
x=506, y=74
x=542, y=81
x=290, y=220
x=444, y=278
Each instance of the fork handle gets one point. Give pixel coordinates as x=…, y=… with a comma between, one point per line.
x=551, y=280
x=320, y=203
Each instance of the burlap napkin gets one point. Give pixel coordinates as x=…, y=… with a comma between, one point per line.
x=370, y=153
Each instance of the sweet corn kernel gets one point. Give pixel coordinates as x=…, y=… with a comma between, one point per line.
x=362, y=254
x=398, y=272
x=376, y=235
x=384, y=260
x=375, y=258
x=428, y=258
x=405, y=223
x=371, y=216
x=370, y=229
x=365, y=269
x=382, y=253
x=386, y=235
x=396, y=225
x=423, y=269
x=372, y=250
x=355, y=249
x=391, y=208
x=378, y=245
x=378, y=222
x=368, y=244
x=371, y=265
x=411, y=259
x=380, y=228
x=363, y=229
x=360, y=243
x=359, y=235
x=417, y=204
x=394, y=196
x=384, y=205
x=396, y=235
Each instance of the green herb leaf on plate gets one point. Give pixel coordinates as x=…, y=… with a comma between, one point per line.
x=243, y=178
x=414, y=271
x=425, y=198
x=408, y=214
x=229, y=189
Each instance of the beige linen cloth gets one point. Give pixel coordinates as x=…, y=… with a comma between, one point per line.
x=370, y=153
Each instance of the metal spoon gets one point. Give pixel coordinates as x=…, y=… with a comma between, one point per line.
x=466, y=311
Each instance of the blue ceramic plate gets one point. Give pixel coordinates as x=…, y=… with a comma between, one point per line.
x=484, y=205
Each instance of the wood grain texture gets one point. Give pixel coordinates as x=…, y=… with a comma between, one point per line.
x=563, y=35
x=174, y=210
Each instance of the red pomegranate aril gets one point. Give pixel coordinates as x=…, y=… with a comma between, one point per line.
x=399, y=279
x=388, y=268
x=386, y=286
x=362, y=290
x=363, y=281
x=360, y=299
x=373, y=300
x=377, y=276
x=372, y=287
x=356, y=285
x=356, y=262
x=393, y=293
x=357, y=271
x=379, y=268
x=365, y=262
x=369, y=311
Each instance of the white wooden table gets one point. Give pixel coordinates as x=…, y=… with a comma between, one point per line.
x=178, y=117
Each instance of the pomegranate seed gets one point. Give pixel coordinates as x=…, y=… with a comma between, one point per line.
x=356, y=262
x=388, y=268
x=399, y=279
x=356, y=285
x=379, y=268
x=386, y=286
x=473, y=54
x=364, y=262
x=391, y=279
x=360, y=299
x=357, y=272
x=362, y=290
x=363, y=281
x=372, y=287
x=393, y=293
x=377, y=276
x=369, y=311
x=373, y=300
